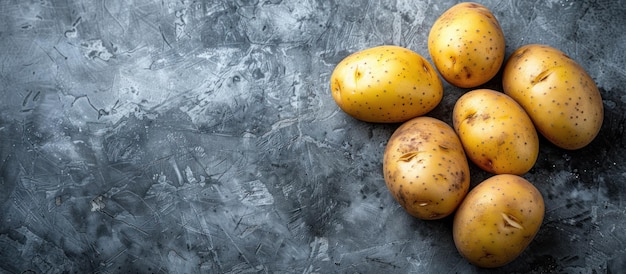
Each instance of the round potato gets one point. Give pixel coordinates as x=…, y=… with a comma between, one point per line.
x=466, y=45
x=386, y=84
x=496, y=132
x=425, y=168
x=557, y=93
x=497, y=220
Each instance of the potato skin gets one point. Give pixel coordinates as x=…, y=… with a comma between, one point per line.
x=425, y=168
x=557, y=93
x=496, y=132
x=386, y=84
x=497, y=220
x=467, y=45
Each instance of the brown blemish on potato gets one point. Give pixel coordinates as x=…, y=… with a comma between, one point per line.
x=468, y=73
x=521, y=54
x=426, y=68
x=407, y=157
x=470, y=118
x=453, y=60
x=438, y=176
x=337, y=91
x=401, y=198
x=501, y=140
x=473, y=5
x=459, y=179
x=337, y=85
x=566, y=56
x=357, y=74
x=487, y=256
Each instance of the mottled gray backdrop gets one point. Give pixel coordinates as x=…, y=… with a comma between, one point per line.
x=201, y=137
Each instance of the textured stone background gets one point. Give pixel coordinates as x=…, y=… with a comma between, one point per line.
x=200, y=136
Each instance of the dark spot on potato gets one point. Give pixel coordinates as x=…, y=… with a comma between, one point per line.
x=468, y=72
x=400, y=195
x=460, y=178
x=488, y=255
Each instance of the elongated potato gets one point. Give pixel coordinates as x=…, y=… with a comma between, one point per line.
x=386, y=84
x=557, y=93
x=425, y=168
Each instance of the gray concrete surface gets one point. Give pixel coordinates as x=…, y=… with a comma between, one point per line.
x=201, y=137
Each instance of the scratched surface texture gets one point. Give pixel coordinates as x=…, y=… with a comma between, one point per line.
x=200, y=136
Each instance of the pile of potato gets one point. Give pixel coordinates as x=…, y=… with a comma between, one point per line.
x=425, y=163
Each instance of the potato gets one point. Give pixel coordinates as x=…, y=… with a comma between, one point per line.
x=497, y=134
x=466, y=45
x=425, y=168
x=386, y=84
x=557, y=93
x=497, y=220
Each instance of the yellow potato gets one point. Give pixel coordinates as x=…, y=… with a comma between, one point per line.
x=425, y=168
x=386, y=84
x=497, y=220
x=557, y=93
x=466, y=45
x=496, y=132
